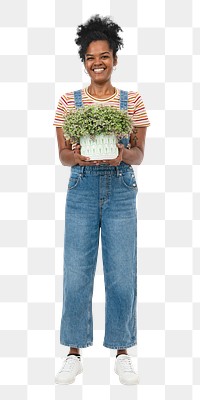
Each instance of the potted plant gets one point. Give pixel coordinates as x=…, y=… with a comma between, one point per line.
x=97, y=128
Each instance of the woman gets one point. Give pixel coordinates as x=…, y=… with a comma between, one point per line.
x=101, y=194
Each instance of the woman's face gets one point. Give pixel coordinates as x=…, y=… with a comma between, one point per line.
x=99, y=61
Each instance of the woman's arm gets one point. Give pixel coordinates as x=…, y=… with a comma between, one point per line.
x=66, y=154
x=135, y=154
x=69, y=156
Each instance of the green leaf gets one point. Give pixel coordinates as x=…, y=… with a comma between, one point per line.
x=95, y=120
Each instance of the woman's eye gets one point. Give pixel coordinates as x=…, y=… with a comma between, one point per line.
x=90, y=58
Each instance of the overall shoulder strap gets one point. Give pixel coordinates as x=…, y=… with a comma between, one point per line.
x=124, y=105
x=123, y=99
x=78, y=98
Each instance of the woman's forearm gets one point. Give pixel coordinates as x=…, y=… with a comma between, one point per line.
x=67, y=157
x=132, y=156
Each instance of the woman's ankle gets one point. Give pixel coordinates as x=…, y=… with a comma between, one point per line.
x=122, y=351
x=74, y=350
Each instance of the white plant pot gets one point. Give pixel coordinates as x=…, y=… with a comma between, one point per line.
x=103, y=147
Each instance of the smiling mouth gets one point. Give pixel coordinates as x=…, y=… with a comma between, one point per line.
x=98, y=70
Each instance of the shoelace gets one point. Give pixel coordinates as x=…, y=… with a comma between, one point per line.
x=68, y=364
x=127, y=364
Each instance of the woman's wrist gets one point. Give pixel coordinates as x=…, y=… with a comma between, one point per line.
x=66, y=157
x=132, y=156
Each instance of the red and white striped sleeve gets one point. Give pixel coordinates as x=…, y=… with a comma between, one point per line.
x=61, y=111
x=137, y=110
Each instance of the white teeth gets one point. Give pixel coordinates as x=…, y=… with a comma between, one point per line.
x=98, y=69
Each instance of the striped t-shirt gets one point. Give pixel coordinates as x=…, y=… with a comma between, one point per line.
x=136, y=108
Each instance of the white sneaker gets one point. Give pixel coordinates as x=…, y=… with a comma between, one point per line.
x=124, y=368
x=71, y=367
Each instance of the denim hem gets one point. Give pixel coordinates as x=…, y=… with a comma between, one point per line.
x=110, y=346
x=78, y=346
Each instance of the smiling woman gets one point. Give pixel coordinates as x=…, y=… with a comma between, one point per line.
x=98, y=42
x=100, y=194
x=99, y=66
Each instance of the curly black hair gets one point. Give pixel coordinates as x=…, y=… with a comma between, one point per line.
x=98, y=28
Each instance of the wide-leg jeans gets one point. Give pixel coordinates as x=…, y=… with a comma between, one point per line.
x=100, y=198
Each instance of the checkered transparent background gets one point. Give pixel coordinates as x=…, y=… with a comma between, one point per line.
x=38, y=63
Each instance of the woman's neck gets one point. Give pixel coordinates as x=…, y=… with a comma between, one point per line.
x=104, y=90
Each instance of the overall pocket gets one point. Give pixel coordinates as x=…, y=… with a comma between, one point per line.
x=128, y=179
x=74, y=179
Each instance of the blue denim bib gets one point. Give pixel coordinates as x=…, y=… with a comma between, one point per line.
x=123, y=105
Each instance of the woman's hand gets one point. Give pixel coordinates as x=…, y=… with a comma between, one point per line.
x=82, y=160
x=116, y=161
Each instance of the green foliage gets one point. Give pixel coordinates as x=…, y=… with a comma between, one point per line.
x=95, y=120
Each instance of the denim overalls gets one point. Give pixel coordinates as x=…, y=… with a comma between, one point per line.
x=100, y=197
